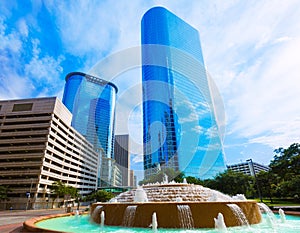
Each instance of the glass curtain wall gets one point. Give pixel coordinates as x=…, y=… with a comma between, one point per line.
x=92, y=102
x=180, y=128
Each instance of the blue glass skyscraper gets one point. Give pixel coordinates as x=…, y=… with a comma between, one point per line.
x=180, y=125
x=92, y=102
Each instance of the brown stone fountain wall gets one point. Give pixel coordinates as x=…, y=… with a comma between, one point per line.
x=203, y=213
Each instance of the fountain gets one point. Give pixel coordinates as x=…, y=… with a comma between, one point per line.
x=128, y=218
x=176, y=205
x=270, y=215
x=102, y=219
x=220, y=224
x=282, y=215
x=154, y=222
x=240, y=216
x=96, y=212
x=140, y=195
x=185, y=217
x=170, y=205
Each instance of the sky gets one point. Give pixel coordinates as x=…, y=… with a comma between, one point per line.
x=251, y=50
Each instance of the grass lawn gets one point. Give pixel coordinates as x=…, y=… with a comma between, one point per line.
x=279, y=202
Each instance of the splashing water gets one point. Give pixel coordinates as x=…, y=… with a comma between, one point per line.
x=282, y=215
x=128, y=217
x=102, y=219
x=239, y=214
x=185, y=217
x=220, y=224
x=270, y=215
x=154, y=222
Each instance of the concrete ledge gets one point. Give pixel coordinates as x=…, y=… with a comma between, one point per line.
x=29, y=225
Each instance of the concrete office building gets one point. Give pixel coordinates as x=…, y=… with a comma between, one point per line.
x=248, y=168
x=180, y=125
x=122, y=157
x=37, y=147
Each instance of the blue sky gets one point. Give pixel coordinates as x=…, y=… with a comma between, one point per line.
x=251, y=50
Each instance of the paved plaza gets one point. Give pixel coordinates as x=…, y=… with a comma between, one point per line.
x=11, y=221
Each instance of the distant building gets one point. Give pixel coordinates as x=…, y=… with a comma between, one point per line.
x=133, y=179
x=249, y=168
x=37, y=147
x=92, y=102
x=122, y=157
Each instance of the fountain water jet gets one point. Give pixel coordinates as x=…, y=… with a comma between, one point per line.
x=102, y=219
x=220, y=223
x=154, y=222
x=140, y=195
x=282, y=215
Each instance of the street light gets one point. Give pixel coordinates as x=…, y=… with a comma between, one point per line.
x=254, y=174
x=28, y=194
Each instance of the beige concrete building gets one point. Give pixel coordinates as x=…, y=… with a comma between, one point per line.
x=248, y=168
x=37, y=147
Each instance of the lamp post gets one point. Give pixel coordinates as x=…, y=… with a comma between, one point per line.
x=28, y=194
x=256, y=181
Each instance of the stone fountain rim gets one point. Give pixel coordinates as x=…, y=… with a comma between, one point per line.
x=175, y=202
x=167, y=185
x=30, y=224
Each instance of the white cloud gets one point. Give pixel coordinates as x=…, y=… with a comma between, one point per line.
x=45, y=68
x=19, y=79
x=23, y=28
x=97, y=27
x=9, y=41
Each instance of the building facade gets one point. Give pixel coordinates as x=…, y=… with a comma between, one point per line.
x=92, y=102
x=248, y=168
x=38, y=146
x=180, y=127
x=133, y=179
x=122, y=157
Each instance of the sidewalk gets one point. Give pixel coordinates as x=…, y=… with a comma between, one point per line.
x=11, y=221
x=291, y=210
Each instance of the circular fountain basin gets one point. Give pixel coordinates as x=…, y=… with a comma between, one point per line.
x=177, y=205
x=168, y=214
x=82, y=223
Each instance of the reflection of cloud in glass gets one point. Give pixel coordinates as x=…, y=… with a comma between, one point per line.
x=194, y=117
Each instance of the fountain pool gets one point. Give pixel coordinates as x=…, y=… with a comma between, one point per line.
x=79, y=224
x=171, y=207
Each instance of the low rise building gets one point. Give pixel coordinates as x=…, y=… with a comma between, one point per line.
x=38, y=146
x=249, y=167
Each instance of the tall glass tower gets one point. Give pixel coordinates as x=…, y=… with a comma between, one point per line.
x=180, y=123
x=92, y=102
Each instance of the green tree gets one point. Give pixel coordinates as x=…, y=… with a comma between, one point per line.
x=160, y=176
x=193, y=180
x=267, y=182
x=59, y=189
x=4, y=190
x=286, y=162
x=286, y=167
x=232, y=183
x=100, y=195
